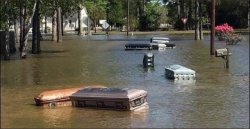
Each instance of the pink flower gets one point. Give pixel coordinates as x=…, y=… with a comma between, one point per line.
x=225, y=28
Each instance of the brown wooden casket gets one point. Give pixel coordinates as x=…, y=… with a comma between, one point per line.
x=59, y=97
x=110, y=98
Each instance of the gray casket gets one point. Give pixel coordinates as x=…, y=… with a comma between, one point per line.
x=110, y=98
x=159, y=40
x=148, y=60
x=179, y=72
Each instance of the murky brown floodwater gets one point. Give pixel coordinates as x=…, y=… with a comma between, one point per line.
x=218, y=99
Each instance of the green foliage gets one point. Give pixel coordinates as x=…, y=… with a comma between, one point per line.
x=116, y=12
x=232, y=12
x=227, y=11
x=10, y=10
x=150, y=20
x=134, y=24
x=96, y=9
x=68, y=6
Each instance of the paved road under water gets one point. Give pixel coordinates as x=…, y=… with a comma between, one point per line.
x=218, y=99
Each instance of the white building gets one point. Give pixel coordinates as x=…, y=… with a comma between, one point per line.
x=70, y=23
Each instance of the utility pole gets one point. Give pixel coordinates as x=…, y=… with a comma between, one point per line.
x=212, y=27
x=127, y=17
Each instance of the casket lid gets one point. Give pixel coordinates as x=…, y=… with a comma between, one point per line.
x=60, y=93
x=180, y=69
x=160, y=38
x=109, y=93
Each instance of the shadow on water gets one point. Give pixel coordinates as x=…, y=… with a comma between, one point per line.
x=53, y=51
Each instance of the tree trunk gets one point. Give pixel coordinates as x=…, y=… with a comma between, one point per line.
x=178, y=9
x=190, y=12
x=17, y=31
x=95, y=25
x=39, y=35
x=34, y=34
x=21, y=26
x=88, y=22
x=36, y=30
x=26, y=27
x=54, y=31
x=59, y=28
x=45, y=28
x=197, y=35
x=24, y=41
x=248, y=15
x=95, y=19
x=183, y=12
x=128, y=25
x=62, y=23
x=200, y=22
x=6, y=43
x=79, y=21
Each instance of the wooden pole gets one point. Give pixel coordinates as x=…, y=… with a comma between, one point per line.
x=227, y=59
x=212, y=27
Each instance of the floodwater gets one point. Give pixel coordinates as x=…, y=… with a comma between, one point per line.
x=218, y=98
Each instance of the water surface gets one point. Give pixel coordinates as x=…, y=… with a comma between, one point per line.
x=219, y=98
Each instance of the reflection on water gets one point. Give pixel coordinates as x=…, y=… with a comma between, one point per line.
x=139, y=117
x=217, y=98
x=184, y=85
x=57, y=117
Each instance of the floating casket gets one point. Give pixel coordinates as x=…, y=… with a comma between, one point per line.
x=148, y=60
x=133, y=46
x=179, y=72
x=162, y=46
x=159, y=40
x=59, y=97
x=157, y=46
x=110, y=98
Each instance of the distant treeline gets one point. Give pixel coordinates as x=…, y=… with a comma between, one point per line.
x=143, y=14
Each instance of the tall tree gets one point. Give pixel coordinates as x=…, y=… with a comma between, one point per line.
x=80, y=20
x=36, y=29
x=116, y=13
x=59, y=26
x=54, y=25
x=197, y=18
x=27, y=17
x=6, y=30
x=96, y=10
x=151, y=17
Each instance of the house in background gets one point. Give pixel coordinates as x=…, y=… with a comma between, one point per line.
x=70, y=23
